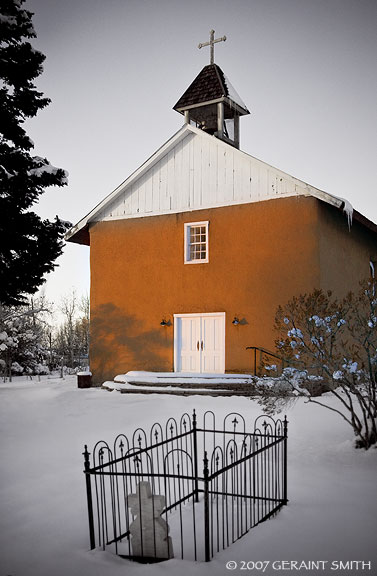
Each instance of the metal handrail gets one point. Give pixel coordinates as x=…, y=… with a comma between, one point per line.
x=267, y=353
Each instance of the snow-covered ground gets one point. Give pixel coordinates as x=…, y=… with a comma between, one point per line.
x=332, y=488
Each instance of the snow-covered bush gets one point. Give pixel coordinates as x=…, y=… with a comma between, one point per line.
x=23, y=339
x=30, y=336
x=331, y=346
x=16, y=368
x=41, y=369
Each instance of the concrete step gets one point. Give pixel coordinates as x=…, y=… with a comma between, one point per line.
x=184, y=384
x=180, y=391
x=179, y=378
x=213, y=385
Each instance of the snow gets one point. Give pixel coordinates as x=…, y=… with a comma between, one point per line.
x=335, y=200
x=295, y=333
x=8, y=20
x=12, y=20
x=46, y=168
x=205, y=379
x=173, y=375
x=162, y=388
x=350, y=366
x=233, y=94
x=372, y=268
x=331, y=515
x=5, y=171
x=66, y=224
x=348, y=210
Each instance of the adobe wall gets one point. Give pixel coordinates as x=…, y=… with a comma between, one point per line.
x=260, y=255
x=345, y=252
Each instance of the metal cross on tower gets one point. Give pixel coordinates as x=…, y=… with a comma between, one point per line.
x=212, y=43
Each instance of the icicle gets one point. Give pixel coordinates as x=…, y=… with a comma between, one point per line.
x=326, y=197
x=372, y=268
x=348, y=209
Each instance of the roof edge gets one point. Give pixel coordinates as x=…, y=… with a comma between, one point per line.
x=73, y=234
x=79, y=233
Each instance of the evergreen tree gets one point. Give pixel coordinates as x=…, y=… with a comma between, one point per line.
x=29, y=245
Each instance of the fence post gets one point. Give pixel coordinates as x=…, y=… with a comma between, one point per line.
x=206, y=509
x=285, y=429
x=195, y=455
x=89, y=497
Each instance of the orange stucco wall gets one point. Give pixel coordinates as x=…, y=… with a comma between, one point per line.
x=345, y=252
x=260, y=255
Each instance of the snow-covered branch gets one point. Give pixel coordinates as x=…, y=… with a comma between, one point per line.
x=335, y=344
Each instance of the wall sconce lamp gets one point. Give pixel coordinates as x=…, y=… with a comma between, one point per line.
x=235, y=321
x=164, y=323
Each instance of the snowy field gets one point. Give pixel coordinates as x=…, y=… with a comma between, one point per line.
x=332, y=488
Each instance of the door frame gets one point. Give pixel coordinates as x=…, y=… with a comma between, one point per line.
x=192, y=315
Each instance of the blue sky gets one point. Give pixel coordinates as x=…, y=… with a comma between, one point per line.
x=305, y=68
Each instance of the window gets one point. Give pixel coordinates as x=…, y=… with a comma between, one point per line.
x=196, y=243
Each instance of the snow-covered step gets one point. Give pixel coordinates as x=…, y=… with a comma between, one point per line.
x=181, y=390
x=183, y=383
x=183, y=379
x=214, y=385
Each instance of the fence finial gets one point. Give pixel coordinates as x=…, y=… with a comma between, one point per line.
x=86, y=455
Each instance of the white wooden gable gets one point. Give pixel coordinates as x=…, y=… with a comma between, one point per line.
x=194, y=171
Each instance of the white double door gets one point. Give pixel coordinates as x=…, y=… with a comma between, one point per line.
x=199, y=342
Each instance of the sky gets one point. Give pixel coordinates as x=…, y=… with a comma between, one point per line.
x=114, y=69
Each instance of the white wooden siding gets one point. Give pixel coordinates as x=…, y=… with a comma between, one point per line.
x=200, y=172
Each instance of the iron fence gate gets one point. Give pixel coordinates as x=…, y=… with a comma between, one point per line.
x=243, y=482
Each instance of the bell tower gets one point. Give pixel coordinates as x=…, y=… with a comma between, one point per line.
x=211, y=102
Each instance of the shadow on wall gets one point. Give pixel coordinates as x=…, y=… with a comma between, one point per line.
x=119, y=343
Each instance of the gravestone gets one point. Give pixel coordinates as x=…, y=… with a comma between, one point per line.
x=149, y=532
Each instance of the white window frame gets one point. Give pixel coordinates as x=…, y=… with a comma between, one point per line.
x=188, y=226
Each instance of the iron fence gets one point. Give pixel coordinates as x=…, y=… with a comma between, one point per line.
x=195, y=515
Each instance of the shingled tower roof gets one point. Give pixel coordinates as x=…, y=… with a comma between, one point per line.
x=211, y=85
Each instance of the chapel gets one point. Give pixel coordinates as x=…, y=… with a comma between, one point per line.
x=192, y=254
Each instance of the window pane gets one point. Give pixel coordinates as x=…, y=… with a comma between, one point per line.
x=197, y=242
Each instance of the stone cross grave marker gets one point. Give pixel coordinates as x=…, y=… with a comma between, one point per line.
x=149, y=532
